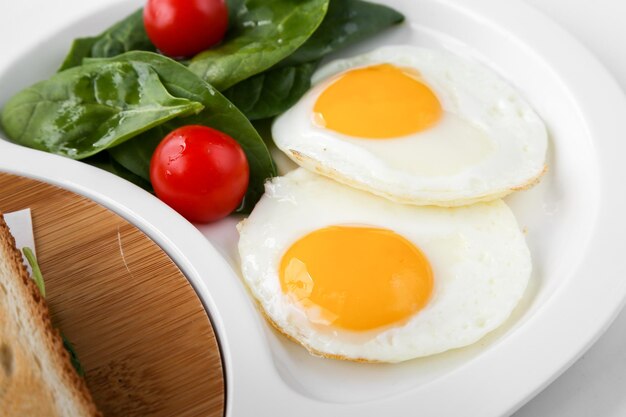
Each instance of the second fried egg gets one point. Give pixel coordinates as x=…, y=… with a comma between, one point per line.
x=353, y=276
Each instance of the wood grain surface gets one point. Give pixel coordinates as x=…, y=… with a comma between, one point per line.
x=139, y=328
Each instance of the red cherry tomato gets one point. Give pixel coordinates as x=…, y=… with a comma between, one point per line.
x=200, y=172
x=181, y=28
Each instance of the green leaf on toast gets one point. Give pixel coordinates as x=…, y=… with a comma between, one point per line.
x=37, y=276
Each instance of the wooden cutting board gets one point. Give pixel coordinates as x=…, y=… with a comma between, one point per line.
x=139, y=328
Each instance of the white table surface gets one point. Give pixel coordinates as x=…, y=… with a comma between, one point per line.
x=595, y=386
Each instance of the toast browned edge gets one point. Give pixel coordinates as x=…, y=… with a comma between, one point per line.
x=36, y=305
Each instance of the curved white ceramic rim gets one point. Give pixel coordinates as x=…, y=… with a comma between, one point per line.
x=490, y=385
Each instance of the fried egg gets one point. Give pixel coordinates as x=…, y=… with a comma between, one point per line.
x=354, y=276
x=416, y=126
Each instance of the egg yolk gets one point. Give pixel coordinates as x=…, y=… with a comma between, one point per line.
x=356, y=278
x=377, y=102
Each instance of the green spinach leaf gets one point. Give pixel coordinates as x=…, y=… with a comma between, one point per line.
x=134, y=155
x=105, y=161
x=218, y=113
x=273, y=91
x=264, y=33
x=234, y=8
x=347, y=22
x=127, y=35
x=81, y=111
x=37, y=276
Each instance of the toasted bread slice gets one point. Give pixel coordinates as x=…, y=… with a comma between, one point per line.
x=36, y=376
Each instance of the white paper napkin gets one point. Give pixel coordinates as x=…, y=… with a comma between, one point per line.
x=21, y=227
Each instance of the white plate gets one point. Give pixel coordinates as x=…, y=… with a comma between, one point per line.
x=574, y=221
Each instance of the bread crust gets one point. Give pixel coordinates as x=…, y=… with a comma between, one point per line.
x=33, y=305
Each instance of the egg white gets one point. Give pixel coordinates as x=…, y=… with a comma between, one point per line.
x=481, y=266
x=488, y=143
